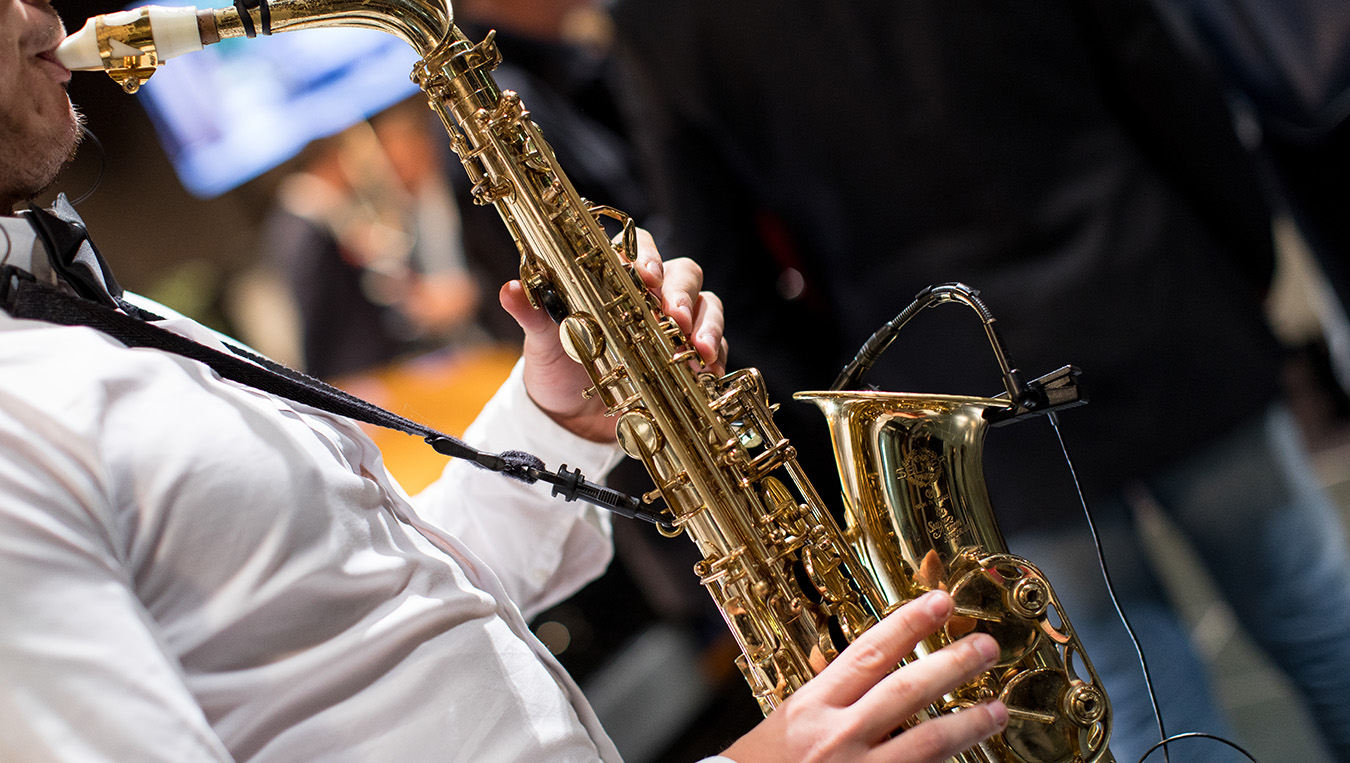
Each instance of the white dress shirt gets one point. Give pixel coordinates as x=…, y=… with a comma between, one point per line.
x=193, y=570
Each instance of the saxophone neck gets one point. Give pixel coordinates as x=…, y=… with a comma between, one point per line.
x=131, y=44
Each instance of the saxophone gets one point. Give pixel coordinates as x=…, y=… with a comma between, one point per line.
x=793, y=587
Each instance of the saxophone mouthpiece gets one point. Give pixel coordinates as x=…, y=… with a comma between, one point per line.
x=79, y=51
x=129, y=45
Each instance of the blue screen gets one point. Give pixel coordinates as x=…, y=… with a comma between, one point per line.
x=242, y=106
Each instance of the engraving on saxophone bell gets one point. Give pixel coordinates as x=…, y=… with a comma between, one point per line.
x=922, y=468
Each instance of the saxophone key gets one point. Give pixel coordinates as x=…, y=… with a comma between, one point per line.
x=591, y=257
x=621, y=309
x=770, y=459
x=612, y=377
x=638, y=435
x=510, y=112
x=582, y=338
x=684, y=356
x=487, y=192
x=552, y=192
x=668, y=325
x=630, y=403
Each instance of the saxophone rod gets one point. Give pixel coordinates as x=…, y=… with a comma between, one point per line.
x=131, y=44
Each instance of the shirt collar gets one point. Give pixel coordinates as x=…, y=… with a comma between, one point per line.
x=56, y=249
x=20, y=247
x=72, y=255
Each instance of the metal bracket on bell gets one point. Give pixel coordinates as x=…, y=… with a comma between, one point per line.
x=1055, y=391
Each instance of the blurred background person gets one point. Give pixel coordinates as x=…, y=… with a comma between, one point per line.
x=1072, y=162
x=1287, y=68
x=366, y=233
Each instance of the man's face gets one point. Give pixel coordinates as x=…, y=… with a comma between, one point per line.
x=38, y=127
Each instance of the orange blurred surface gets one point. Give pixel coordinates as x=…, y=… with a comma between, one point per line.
x=442, y=390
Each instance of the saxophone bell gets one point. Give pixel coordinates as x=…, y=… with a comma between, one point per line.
x=919, y=514
x=920, y=519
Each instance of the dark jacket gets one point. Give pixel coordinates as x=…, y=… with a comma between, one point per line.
x=1061, y=156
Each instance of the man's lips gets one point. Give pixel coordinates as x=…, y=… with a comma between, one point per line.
x=53, y=67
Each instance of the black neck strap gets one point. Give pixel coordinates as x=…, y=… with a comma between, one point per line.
x=24, y=297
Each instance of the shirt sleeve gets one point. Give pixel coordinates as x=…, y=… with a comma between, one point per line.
x=542, y=548
x=85, y=677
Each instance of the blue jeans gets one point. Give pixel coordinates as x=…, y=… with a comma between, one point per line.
x=1276, y=548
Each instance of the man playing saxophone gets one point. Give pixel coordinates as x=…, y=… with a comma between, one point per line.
x=196, y=570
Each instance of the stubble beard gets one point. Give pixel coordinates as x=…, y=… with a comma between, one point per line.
x=36, y=167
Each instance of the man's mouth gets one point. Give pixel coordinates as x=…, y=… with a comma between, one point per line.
x=53, y=67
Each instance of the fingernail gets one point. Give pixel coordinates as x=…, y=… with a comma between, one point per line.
x=706, y=339
x=654, y=267
x=998, y=714
x=987, y=648
x=936, y=603
x=686, y=308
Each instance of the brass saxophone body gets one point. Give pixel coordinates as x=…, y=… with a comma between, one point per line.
x=793, y=587
x=920, y=518
x=728, y=477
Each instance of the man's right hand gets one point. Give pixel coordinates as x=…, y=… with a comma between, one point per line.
x=848, y=712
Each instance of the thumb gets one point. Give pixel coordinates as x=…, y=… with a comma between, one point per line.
x=514, y=300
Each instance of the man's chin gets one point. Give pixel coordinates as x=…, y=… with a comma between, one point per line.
x=31, y=167
x=71, y=142
x=76, y=138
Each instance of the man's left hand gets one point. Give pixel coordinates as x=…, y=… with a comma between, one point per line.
x=554, y=381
